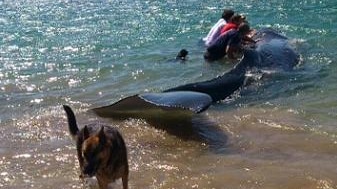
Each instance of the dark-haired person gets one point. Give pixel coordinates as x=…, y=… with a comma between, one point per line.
x=227, y=44
x=233, y=23
x=214, y=33
x=182, y=55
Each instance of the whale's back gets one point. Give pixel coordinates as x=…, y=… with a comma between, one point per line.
x=275, y=51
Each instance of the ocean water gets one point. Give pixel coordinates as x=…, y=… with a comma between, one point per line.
x=281, y=131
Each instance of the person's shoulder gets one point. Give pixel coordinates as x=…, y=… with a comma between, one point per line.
x=232, y=32
x=220, y=22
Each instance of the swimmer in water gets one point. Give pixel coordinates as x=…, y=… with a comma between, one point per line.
x=182, y=54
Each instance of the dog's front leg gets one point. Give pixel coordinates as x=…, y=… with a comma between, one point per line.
x=102, y=183
x=125, y=181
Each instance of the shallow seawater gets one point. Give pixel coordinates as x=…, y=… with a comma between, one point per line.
x=279, y=131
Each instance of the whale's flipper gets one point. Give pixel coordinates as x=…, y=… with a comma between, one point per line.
x=149, y=105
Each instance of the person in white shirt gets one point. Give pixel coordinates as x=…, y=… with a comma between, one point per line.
x=215, y=31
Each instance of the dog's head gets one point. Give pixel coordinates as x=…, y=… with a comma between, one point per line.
x=93, y=151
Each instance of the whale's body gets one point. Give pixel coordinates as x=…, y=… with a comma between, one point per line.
x=272, y=51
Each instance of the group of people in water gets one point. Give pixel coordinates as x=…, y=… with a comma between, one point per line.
x=226, y=37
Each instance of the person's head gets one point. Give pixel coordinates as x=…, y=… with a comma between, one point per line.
x=182, y=54
x=242, y=19
x=243, y=28
x=237, y=19
x=227, y=14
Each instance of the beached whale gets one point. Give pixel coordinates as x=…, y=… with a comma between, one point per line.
x=271, y=51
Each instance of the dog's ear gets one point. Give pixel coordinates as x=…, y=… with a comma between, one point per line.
x=85, y=133
x=102, y=137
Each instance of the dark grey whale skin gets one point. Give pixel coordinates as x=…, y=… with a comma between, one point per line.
x=222, y=86
x=272, y=51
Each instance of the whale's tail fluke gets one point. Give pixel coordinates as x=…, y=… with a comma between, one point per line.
x=149, y=105
x=174, y=112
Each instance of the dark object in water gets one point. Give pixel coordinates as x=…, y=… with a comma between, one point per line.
x=182, y=54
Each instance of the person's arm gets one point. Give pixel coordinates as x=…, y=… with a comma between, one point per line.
x=231, y=51
x=248, y=39
x=233, y=46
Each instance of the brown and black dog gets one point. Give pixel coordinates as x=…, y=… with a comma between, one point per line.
x=101, y=152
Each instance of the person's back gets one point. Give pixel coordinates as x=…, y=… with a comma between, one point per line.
x=215, y=31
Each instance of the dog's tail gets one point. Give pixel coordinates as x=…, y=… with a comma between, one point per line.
x=72, y=125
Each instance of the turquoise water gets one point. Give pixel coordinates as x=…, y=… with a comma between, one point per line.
x=281, y=130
